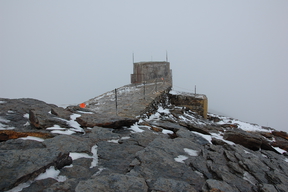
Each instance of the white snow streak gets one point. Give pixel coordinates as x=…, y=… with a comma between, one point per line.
x=180, y=158
x=32, y=138
x=191, y=152
x=51, y=173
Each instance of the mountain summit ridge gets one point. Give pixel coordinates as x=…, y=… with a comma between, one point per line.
x=167, y=148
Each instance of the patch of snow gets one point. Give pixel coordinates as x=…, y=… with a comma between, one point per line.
x=68, y=166
x=241, y=125
x=95, y=156
x=248, y=177
x=74, y=123
x=135, y=128
x=75, y=156
x=264, y=155
x=247, y=152
x=94, y=162
x=2, y=102
x=51, y=173
x=279, y=150
x=100, y=170
x=20, y=187
x=220, y=137
x=32, y=138
x=66, y=132
x=5, y=127
x=27, y=124
x=207, y=137
x=180, y=158
x=113, y=141
x=55, y=127
x=166, y=131
x=85, y=112
x=26, y=115
x=3, y=120
x=9, y=111
x=286, y=160
x=125, y=137
x=191, y=152
x=199, y=173
x=162, y=110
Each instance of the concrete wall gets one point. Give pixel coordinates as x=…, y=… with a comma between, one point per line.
x=151, y=71
x=197, y=103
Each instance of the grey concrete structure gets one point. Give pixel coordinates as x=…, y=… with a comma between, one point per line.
x=151, y=71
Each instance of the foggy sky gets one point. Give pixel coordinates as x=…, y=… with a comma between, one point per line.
x=66, y=52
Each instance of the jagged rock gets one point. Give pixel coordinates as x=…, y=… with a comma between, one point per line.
x=251, y=141
x=42, y=120
x=281, y=144
x=199, y=129
x=267, y=188
x=30, y=162
x=61, y=112
x=113, y=182
x=68, y=143
x=212, y=184
x=157, y=160
x=117, y=157
x=91, y=120
x=281, y=134
x=170, y=185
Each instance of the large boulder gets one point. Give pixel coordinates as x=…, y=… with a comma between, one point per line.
x=42, y=120
x=108, y=121
x=249, y=140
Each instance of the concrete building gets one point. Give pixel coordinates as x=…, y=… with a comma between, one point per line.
x=152, y=71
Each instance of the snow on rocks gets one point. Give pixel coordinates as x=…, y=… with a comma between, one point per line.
x=181, y=158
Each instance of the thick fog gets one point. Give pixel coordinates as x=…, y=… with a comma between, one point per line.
x=66, y=52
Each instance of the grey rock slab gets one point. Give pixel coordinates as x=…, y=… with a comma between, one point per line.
x=102, y=120
x=192, y=136
x=170, y=185
x=66, y=186
x=216, y=184
x=116, y=157
x=20, y=144
x=42, y=119
x=61, y=112
x=68, y=143
x=248, y=140
x=158, y=160
x=39, y=185
x=112, y=183
x=19, y=166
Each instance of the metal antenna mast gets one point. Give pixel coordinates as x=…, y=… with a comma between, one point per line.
x=166, y=56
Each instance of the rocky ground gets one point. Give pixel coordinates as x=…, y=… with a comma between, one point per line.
x=48, y=148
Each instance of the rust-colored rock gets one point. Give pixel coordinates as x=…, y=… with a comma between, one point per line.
x=281, y=134
x=281, y=144
x=249, y=140
x=10, y=134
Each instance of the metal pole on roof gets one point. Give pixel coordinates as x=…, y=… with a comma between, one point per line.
x=116, y=102
x=166, y=56
x=133, y=57
x=195, y=89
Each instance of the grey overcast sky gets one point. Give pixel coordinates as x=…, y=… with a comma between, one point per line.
x=66, y=52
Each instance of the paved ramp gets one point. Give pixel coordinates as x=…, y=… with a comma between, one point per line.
x=132, y=100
